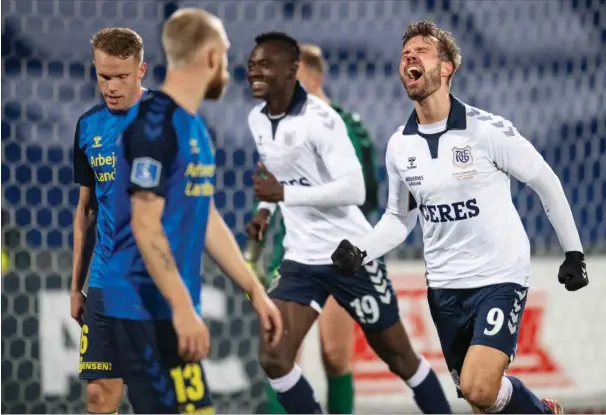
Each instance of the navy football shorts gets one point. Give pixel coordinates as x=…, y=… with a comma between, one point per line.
x=368, y=295
x=157, y=379
x=488, y=316
x=98, y=358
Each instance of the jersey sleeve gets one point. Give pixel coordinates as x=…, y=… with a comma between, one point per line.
x=400, y=216
x=333, y=145
x=149, y=148
x=515, y=155
x=83, y=172
x=271, y=207
x=512, y=153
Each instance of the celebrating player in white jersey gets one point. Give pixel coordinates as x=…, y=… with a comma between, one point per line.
x=310, y=169
x=449, y=165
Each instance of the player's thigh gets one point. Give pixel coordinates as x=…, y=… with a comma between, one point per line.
x=300, y=299
x=499, y=310
x=157, y=379
x=454, y=323
x=98, y=357
x=296, y=283
x=336, y=337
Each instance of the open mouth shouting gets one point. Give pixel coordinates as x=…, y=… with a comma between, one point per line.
x=412, y=74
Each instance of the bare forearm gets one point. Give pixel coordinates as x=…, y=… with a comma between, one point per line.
x=160, y=262
x=84, y=244
x=224, y=250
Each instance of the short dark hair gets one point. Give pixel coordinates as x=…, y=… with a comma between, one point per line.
x=119, y=42
x=291, y=46
x=448, y=50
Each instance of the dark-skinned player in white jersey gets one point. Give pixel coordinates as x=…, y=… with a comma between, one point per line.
x=311, y=170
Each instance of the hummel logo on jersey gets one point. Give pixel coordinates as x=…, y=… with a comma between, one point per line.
x=450, y=212
x=97, y=142
x=411, y=163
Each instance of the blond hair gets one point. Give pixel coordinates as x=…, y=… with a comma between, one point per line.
x=312, y=58
x=185, y=32
x=119, y=42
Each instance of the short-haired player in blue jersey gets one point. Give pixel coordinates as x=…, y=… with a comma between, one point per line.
x=118, y=59
x=165, y=218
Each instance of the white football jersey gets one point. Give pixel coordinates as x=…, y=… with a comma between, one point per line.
x=309, y=146
x=457, y=173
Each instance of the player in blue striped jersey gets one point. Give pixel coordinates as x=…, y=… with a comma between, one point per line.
x=165, y=218
x=118, y=59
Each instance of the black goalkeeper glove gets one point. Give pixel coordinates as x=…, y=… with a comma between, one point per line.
x=347, y=258
x=573, y=273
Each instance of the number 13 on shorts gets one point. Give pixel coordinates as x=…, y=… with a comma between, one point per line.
x=190, y=389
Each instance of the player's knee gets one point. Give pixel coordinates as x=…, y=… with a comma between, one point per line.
x=103, y=396
x=479, y=394
x=275, y=363
x=404, y=365
x=95, y=394
x=336, y=358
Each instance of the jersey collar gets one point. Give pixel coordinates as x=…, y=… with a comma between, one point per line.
x=299, y=99
x=457, y=118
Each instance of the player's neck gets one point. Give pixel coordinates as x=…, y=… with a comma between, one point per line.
x=183, y=91
x=321, y=94
x=434, y=108
x=137, y=97
x=279, y=104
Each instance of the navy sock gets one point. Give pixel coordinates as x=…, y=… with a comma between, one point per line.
x=523, y=401
x=428, y=392
x=295, y=393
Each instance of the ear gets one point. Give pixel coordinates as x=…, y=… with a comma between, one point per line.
x=142, y=70
x=213, y=58
x=447, y=69
x=294, y=68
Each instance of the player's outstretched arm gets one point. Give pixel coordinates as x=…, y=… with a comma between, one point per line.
x=85, y=219
x=397, y=222
x=515, y=155
x=223, y=248
x=400, y=215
